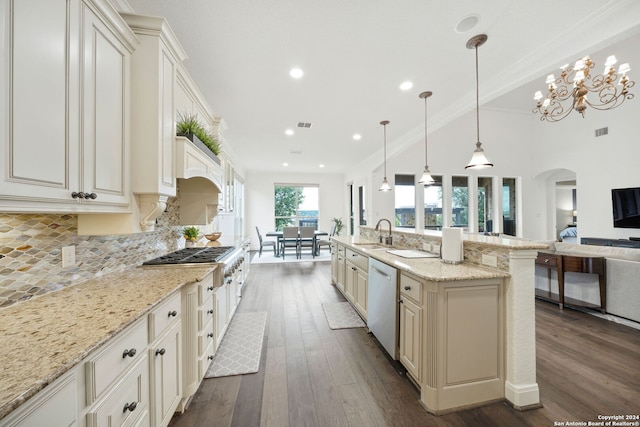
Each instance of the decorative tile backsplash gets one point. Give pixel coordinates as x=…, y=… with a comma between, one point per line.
x=31, y=252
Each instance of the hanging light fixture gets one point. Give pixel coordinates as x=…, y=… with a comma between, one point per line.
x=576, y=82
x=426, y=179
x=478, y=160
x=385, y=184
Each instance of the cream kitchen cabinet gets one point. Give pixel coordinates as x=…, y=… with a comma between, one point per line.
x=340, y=268
x=165, y=356
x=356, y=278
x=334, y=262
x=65, y=143
x=411, y=325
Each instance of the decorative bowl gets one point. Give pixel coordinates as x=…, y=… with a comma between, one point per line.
x=213, y=236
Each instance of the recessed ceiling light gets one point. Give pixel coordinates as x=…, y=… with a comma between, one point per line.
x=406, y=85
x=285, y=164
x=321, y=165
x=467, y=23
x=357, y=136
x=296, y=73
x=288, y=132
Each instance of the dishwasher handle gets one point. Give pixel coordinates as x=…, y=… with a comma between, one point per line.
x=380, y=272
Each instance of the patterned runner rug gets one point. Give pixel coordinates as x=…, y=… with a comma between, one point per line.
x=241, y=347
x=341, y=315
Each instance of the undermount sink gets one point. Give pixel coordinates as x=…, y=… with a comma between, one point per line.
x=371, y=246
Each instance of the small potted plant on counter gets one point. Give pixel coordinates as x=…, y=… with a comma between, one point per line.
x=190, y=236
x=190, y=127
x=339, y=225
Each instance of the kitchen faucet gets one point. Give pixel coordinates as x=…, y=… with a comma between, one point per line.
x=387, y=240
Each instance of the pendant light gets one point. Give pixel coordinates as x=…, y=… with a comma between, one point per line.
x=385, y=184
x=426, y=179
x=478, y=160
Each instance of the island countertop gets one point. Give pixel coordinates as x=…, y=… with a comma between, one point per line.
x=41, y=339
x=432, y=269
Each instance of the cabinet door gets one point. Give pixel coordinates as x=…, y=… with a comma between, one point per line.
x=38, y=147
x=350, y=281
x=361, y=296
x=166, y=376
x=105, y=112
x=410, y=337
x=340, y=273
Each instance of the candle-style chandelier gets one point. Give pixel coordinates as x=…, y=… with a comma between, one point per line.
x=569, y=91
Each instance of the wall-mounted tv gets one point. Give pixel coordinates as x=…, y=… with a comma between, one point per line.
x=626, y=207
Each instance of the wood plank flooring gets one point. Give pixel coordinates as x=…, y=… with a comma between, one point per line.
x=311, y=375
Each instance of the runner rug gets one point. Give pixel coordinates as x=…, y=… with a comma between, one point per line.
x=341, y=315
x=241, y=347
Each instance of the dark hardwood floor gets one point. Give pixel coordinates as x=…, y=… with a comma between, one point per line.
x=311, y=375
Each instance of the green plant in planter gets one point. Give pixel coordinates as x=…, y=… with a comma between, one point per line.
x=190, y=233
x=189, y=124
x=339, y=225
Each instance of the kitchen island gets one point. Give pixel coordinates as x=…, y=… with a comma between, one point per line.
x=491, y=315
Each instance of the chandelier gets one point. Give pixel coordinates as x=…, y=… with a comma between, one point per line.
x=569, y=91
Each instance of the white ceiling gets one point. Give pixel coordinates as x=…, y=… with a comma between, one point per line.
x=356, y=53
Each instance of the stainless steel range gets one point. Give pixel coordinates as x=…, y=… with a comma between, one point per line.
x=228, y=258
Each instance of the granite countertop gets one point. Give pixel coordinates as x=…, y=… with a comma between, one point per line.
x=432, y=269
x=41, y=339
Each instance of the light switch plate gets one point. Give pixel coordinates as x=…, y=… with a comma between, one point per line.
x=490, y=260
x=68, y=256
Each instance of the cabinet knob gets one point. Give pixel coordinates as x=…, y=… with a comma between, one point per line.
x=173, y=313
x=129, y=353
x=130, y=407
x=161, y=352
x=210, y=357
x=210, y=311
x=90, y=196
x=210, y=334
x=407, y=288
x=210, y=288
x=546, y=260
x=400, y=301
x=77, y=195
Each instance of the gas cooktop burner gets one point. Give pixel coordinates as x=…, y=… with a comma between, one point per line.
x=192, y=256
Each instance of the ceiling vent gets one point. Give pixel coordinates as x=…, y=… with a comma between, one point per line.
x=304, y=125
x=295, y=152
x=602, y=131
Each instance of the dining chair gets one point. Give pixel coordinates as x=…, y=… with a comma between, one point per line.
x=264, y=243
x=308, y=240
x=290, y=239
x=326, y=242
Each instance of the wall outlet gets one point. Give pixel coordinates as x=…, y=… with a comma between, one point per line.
x=68, y=256
x=490, y=260
x=426, y=246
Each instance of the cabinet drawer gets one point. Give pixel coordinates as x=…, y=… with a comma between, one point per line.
x=205, y=337
x=205, y=360
x=359, y=260
x=164, y=316
x=103, y=368
x=205, y=315
x=411, y=288
x=550, y=260
x=205, y=290
x=132, y=392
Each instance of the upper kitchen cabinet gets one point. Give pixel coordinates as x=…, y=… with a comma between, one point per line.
x=155, y=65
x=64, y=106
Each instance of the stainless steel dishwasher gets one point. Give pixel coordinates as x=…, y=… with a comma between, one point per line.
x=382, y=305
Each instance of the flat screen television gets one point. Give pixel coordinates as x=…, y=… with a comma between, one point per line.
x=626, y=207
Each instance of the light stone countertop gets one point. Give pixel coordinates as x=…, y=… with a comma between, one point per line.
x=432, y=269
x=41, y=339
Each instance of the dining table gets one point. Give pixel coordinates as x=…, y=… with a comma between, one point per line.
x=278, y=235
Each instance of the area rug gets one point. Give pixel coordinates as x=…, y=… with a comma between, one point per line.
x=241, y=347
x=268, y=258
x=341, y=315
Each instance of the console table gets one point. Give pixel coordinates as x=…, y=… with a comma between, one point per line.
x=574, y=263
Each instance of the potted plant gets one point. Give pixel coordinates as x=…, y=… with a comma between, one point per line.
x=190, y=127
x=339, y=225
x=190, y=236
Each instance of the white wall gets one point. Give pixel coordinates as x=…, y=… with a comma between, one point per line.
x=259, y=206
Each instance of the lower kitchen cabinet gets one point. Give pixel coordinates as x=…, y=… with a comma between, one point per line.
x=340, y=267
x=410, y=327
x=356, y=280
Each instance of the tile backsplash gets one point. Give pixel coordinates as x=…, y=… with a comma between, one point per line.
x=31, y=252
